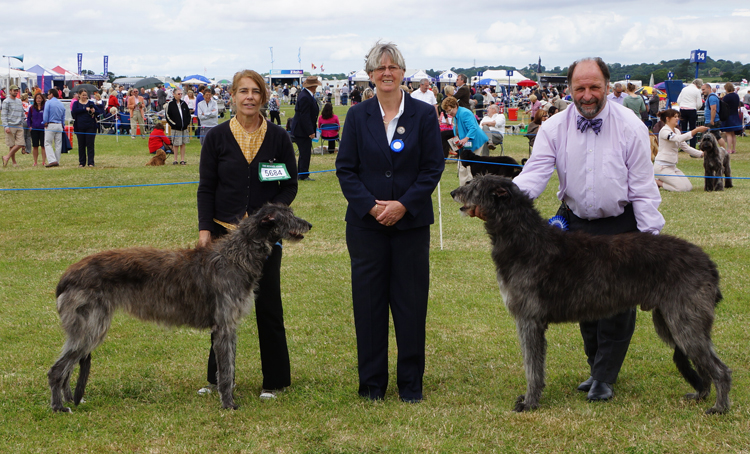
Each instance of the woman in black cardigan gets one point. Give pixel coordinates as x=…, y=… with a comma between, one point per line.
x=229, y=189
x=85, y=113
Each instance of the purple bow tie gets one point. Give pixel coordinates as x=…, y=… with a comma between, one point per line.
x=584, y=123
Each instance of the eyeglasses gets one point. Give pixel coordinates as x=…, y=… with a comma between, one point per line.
x=391, y=68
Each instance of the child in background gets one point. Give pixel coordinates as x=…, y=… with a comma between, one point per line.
x=157, y=139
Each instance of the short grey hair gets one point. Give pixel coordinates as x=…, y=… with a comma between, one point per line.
x=380, y=50
x=698, y=82
x=421, y=81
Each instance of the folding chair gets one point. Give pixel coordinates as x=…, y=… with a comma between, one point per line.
x=323, y=148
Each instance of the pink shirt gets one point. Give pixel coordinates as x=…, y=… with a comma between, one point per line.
x=334, y=120
x=599, y=174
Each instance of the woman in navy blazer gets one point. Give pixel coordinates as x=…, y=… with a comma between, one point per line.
x=390, y=161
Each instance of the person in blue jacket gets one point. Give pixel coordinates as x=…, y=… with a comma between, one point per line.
x=390, y=161
x=467, y=130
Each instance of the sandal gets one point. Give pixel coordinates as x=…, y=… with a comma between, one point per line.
x=183, y=163
x=175, y=163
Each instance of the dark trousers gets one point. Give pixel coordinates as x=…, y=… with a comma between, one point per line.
x=606, y=341
x=445, y=135
x=86, y=140
x=275, y=117
x=390, y=270
x=269, y=314
x=688, y=120
x=305, y=151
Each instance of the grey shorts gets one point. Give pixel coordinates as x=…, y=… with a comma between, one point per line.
x=180, y=137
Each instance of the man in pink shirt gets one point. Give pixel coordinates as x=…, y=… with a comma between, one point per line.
x=602, y=155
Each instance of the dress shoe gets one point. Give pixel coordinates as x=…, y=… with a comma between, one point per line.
x=52, y=164
x=600, y=391
x=305, y=179
x=586, y=385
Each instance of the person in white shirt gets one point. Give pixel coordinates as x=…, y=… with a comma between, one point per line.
x=690, y=101
x=493, y=124
x=616, y=94
x=208, y=113
x=425, y=94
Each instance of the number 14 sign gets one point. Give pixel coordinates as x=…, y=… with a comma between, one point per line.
x=697, y=56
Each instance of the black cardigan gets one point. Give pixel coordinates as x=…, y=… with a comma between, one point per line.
x=229, y=186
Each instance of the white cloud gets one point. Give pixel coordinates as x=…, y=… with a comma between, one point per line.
x=178, y=37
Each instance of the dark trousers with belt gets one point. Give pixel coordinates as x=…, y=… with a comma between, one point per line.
x=305, y=151
x=606, y=341
x=269, y=314
x=688, y=121
x=390, y=269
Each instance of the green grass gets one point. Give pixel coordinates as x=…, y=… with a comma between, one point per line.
x=142, y=391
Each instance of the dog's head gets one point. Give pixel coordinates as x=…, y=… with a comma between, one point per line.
x=161, y=155
x=275, y=222
x=709, y=145
x=489, y=197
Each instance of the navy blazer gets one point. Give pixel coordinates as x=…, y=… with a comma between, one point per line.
x=305, y=115
x=368, y=169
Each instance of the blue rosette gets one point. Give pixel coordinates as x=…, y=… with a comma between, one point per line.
x=559, y=222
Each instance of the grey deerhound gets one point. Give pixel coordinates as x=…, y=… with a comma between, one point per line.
x=715, y=164
x=547, y=275
x=206, y=287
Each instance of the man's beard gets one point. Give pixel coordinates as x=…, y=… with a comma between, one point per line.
x=591, y=108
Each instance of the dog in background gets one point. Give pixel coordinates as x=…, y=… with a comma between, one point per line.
x=547, y=275
x=514, y=129
x=654, y=139
x=158, y=159
x=209, y=287
x=715, y=164
x=496, y=165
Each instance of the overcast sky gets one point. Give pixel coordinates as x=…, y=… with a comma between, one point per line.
x=217, y=38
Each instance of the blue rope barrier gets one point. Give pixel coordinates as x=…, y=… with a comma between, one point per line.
x=99, y=187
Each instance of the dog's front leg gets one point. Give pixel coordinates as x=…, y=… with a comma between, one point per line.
x=534, y=348
x=225, y=340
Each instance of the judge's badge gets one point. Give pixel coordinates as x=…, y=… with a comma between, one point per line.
x=400, y=130
x=397, y=145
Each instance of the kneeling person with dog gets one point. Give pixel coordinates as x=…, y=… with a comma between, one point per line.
x=602, y=155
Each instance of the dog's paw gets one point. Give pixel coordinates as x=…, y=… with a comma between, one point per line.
x=695, y=396
x=520, y=406
x=231, y=406
x=716, y=411
x=62, y=409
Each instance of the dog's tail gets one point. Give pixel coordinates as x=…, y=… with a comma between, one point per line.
x=686, y=369
x=83, y=377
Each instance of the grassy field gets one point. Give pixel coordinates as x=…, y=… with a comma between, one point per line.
x=142, y=395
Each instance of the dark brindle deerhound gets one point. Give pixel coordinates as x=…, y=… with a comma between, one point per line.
x=206, y=287
x=547, y=276
x=715, y=164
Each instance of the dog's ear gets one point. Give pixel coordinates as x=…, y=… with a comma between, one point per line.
x=268, y=221
x=501, y=193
